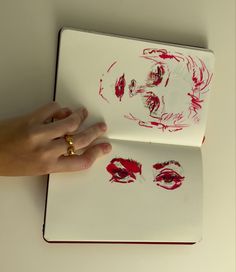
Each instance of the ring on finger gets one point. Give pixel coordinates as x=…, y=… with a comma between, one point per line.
x=70, y=148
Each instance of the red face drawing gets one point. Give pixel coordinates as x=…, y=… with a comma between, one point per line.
x=124, y=170
x=168, y=175
x=171, y=87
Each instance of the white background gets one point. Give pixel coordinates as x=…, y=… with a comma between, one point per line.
x=28, y=44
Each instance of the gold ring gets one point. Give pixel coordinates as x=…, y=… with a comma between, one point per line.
x=71, y=148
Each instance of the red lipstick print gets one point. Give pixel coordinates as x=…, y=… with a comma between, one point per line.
x=124, y=170
x=120, y=87
x=168, y=175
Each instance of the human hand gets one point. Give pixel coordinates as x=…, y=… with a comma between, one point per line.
x=31, y=145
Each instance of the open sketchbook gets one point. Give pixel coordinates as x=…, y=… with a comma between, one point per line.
x=153, y=97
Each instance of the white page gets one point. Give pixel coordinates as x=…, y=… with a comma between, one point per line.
x=91, y=64
x=89, y=206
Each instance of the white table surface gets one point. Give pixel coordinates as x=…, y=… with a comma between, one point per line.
x=28, y=43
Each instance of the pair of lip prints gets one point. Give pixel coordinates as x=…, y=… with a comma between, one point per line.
x=168, y=174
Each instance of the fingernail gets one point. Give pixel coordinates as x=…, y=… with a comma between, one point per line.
x=106, y=148
x=103, y=126
x=85, y=113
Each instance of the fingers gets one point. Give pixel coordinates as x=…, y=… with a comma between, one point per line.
x=45, y=112
x=65, y=126
x=81, y=140
x=62, y=113
x=84, y=161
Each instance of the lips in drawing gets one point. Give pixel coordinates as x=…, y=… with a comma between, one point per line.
x=168, y=175
x=124, y=170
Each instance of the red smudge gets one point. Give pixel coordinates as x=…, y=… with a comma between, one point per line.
x=120, y=87
x=195, y=104
x=162, y=53
x=152, y=102
x=108, y=70
x=155, y=77
x=124, y=170
x=159, y=125
x=144, y=124
x=158, y=166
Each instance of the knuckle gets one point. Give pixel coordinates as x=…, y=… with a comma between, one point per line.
x=72, y=123
x=80, y=114
x=89, y=135
x=87, y=162
x=31, y=136
x=84, y=139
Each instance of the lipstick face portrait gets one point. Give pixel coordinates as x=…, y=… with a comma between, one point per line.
x=168, y=175
x=169, y=86
x=124, y=170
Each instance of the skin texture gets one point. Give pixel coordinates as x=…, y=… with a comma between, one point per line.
x=32, y=145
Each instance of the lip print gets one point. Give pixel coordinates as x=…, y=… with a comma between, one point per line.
x=168, y=175
x=124, y=170
x=165, y=72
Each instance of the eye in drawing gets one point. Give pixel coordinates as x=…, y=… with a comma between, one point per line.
x=168, y=175
x=124, y=170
